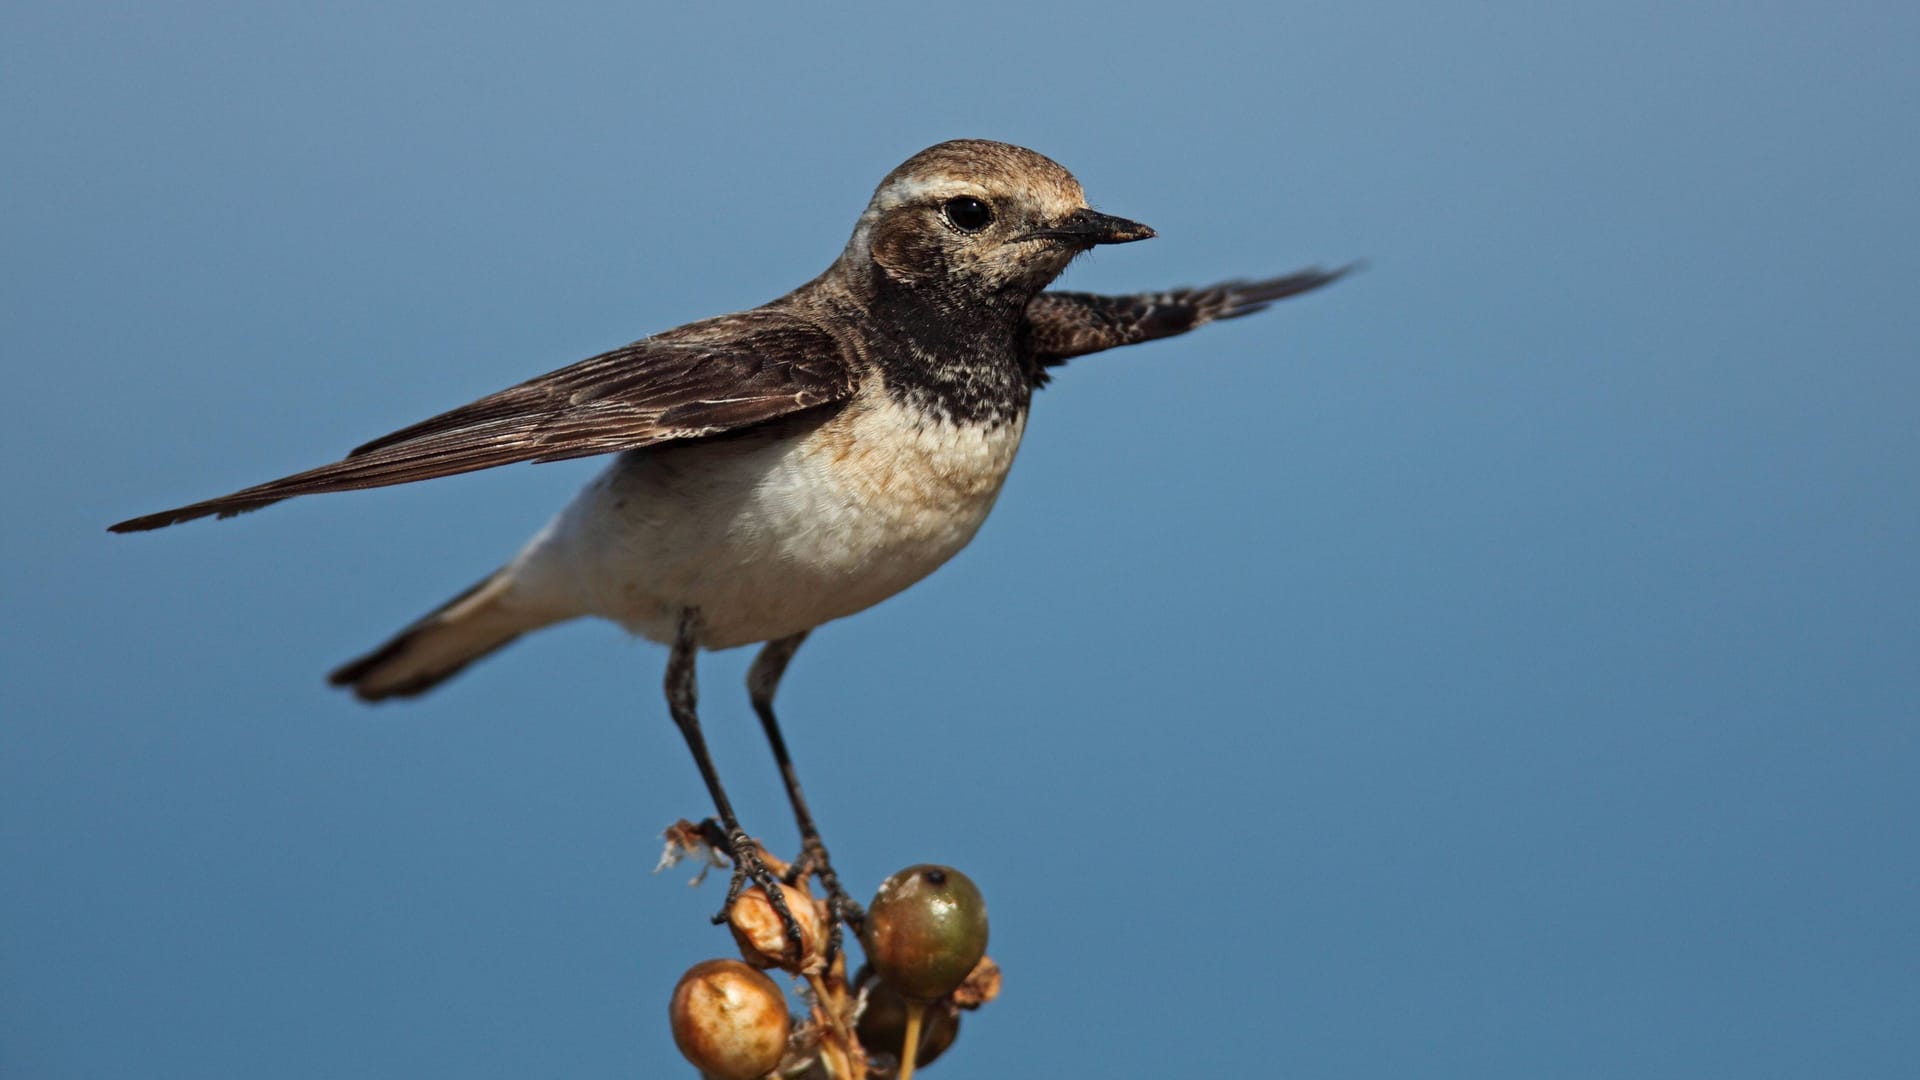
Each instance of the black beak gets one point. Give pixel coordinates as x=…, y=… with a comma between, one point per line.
x=1092, y=227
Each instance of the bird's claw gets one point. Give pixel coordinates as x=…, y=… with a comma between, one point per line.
x=750, y=864
x=841, y=907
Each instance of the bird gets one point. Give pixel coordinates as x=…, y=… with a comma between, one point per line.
x=778, y=468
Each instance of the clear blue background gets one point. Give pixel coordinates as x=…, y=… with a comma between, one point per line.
x=1502, y=664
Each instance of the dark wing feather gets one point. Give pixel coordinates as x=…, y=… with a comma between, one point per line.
x=702, y=379
x=1062, y=325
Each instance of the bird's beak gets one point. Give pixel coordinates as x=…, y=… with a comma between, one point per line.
x=1092, y=227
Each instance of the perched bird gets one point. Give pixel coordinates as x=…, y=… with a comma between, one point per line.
x=782, y=467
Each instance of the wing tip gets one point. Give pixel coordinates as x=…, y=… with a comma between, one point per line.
x=149, y=522
x=215, y=508
x=1245, y=297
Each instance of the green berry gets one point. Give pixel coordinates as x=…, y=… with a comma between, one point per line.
x=926, y=929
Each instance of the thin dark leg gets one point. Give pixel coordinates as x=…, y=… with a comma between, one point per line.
x=763, y=681
x=682, y=696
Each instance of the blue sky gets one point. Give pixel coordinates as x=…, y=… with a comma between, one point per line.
x=1499, y=665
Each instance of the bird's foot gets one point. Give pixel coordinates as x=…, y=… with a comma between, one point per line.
x=750, y=864
x=841, y=907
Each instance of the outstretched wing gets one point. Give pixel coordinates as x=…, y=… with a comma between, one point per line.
x=1063, y=325
x=701, y=379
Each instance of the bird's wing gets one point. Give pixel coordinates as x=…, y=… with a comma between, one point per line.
x=1063, y=325
x=701, y=379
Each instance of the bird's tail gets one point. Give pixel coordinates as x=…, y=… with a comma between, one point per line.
x=436, y=647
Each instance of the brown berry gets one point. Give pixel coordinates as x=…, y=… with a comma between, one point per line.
x=883, y=1023
x=730, y=1020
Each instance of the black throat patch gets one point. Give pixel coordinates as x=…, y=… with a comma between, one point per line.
x=958, y=357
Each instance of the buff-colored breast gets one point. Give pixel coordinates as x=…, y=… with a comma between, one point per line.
x=776, y=531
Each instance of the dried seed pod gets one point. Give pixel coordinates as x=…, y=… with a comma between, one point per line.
x=730, y=1020
x=981, y=986
x=762, y=937
x=926, y=929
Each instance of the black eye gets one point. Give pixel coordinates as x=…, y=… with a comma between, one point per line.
x=967, y=213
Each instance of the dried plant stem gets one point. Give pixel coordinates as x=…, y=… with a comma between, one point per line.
x=830, y=1006
x=910, y=1046
x=830, y=1003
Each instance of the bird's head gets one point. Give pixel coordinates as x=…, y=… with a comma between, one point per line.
x=982, y=219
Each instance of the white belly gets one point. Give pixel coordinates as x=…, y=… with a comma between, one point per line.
x=769, y=534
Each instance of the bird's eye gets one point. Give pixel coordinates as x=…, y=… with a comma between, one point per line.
x=967, y=213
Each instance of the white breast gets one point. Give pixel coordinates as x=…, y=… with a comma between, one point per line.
x=775, y=532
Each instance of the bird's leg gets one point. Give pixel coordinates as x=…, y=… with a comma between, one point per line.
x=763, y=680
x=681, y=698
